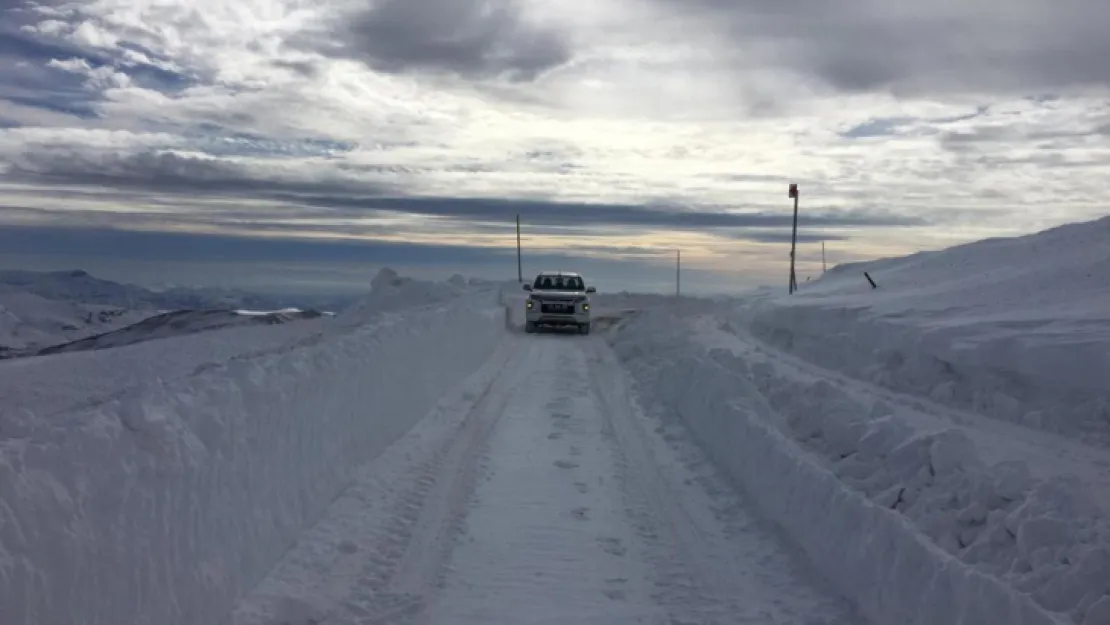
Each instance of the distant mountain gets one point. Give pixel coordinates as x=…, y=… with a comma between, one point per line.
x=177, y=323
x=29, y=321
x=78, y=286
x=57, y=308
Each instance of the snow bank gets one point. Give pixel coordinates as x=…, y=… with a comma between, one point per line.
x=1044, y=537
x=877, y=553
x=1018, y=329
x=164, y=503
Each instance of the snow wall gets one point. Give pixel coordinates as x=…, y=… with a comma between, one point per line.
x=163, y=505
x=874, y=555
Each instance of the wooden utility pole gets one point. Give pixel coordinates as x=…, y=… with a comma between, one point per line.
x=678, y=273
x=794, y=239
x=519, y=266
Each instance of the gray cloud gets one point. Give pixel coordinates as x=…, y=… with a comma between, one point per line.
x=1074, y=133
x=1023, y=46
x=204, y=177
x=160, y=171
x=47, y=70
x=470, y=38
x=179, y=246
x=303, y=266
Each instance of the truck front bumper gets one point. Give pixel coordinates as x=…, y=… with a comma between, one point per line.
x=537, y=317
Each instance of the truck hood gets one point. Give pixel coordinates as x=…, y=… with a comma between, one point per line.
x=557, y=295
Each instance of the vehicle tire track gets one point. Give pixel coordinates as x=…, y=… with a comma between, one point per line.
x=376, y=554
x=716, y=560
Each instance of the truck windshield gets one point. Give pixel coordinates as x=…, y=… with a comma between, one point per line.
x=559, y=283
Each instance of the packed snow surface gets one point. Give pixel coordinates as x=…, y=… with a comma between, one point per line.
x=540, y=493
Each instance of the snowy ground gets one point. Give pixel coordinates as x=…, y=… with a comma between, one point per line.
x=922, y=453
x=538, y=493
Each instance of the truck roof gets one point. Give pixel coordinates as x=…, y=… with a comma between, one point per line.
x=565, y=274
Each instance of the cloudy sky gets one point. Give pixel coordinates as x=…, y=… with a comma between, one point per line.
x=295, y=143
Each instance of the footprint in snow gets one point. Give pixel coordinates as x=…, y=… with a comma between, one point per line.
x=582, y=487
x=563, y=464
x=554, y=436
x=582, y=514
x=612, y=546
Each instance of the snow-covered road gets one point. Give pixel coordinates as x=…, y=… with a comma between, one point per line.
x=538, y=492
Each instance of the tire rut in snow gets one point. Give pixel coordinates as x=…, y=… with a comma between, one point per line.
x=548, y=539
x=374, y=555
x=715, y=561
x=431, y=518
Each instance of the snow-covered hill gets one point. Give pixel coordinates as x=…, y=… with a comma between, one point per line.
x=54, y=310
x=179, y=323
x=29, y=321
x=79, y=286
x=1016, y=328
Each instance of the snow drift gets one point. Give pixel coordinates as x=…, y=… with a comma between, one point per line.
x=870, y=548
x=164, y=502
x=1018, y=328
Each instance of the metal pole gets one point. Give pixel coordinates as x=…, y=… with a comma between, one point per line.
x=794, y=245
x=519, y=267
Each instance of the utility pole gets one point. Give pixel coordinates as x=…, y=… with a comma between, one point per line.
x=519, y=266
x=824, y=267
x=794, y=239
x=678, y=273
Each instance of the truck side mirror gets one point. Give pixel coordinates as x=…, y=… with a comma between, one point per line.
x=591, y=289
x=527, y=287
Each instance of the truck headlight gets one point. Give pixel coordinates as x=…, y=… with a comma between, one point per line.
x=529, y=304
x=586, y=306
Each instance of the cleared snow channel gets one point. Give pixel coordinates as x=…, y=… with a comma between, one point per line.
x=538, y=492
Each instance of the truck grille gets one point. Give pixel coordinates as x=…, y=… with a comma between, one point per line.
x=557, y=308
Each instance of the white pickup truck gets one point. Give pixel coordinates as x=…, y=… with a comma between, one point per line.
x=558, y=298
